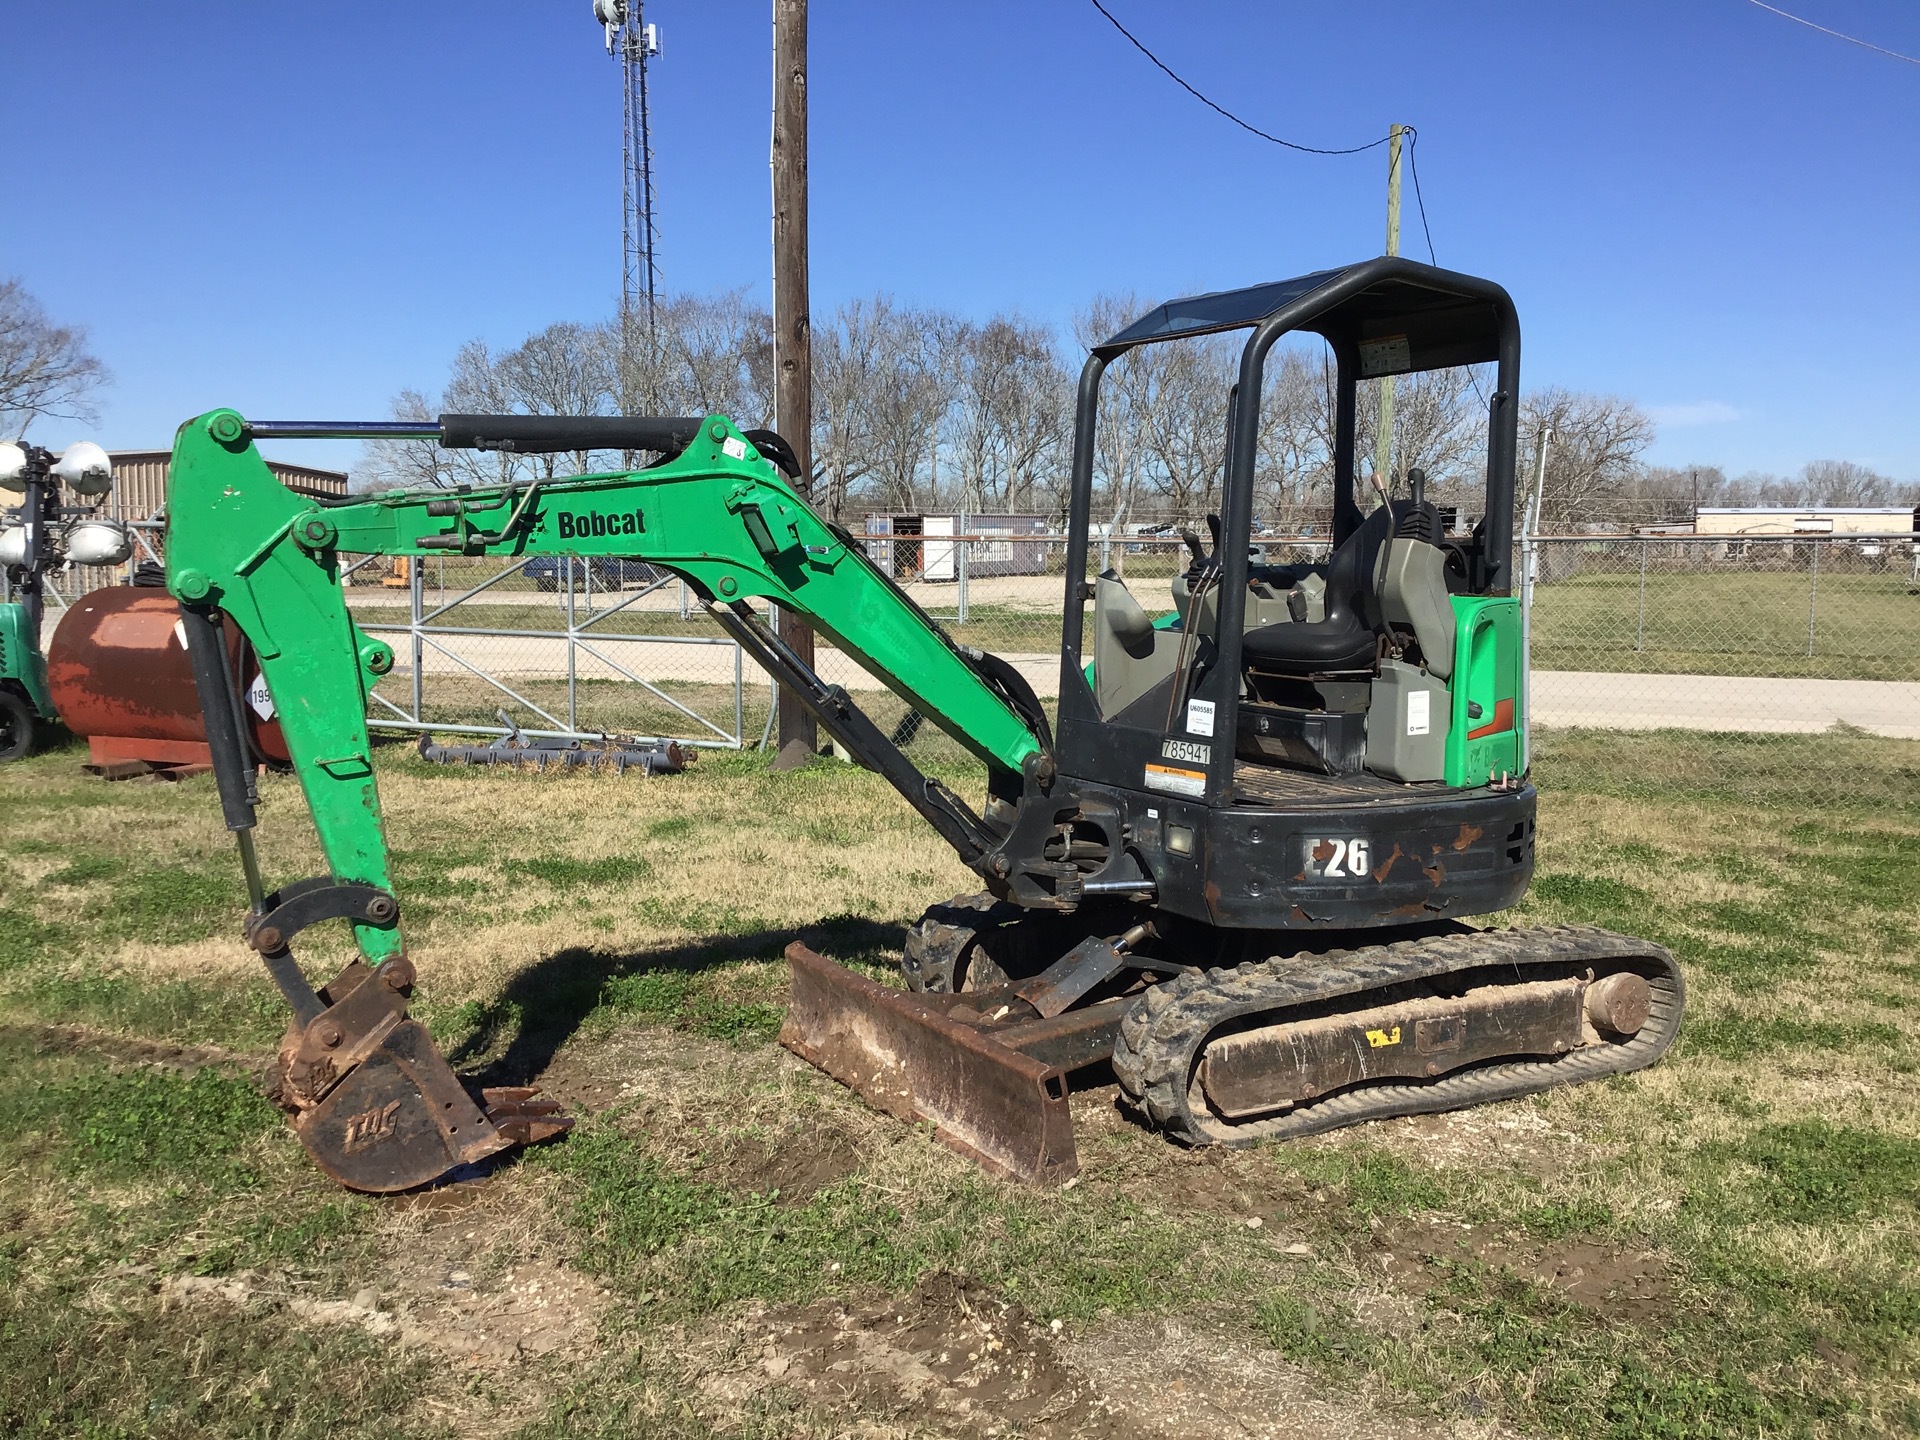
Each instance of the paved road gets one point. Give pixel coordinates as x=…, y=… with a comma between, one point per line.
x=1724, y=702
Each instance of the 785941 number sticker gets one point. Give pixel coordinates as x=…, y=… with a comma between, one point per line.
x=1338, y=858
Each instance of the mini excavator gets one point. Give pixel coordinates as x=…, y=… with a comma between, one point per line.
x=1237, y=865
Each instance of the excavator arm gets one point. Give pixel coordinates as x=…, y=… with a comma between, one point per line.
x=373, y=1100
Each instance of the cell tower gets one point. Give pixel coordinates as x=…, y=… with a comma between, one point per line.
x=633, y=42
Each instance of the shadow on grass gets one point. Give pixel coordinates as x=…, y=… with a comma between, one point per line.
x=513, y=1039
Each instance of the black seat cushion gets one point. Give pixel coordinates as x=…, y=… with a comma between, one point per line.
x=1347, y=638
x=1311, y=647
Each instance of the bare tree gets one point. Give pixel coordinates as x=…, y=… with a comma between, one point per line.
x=1594, y=460
x=46, y=370
x=1127, y=392
x=717, y=357
x=407, y=464
x=1439, y=427
x=565, y=369
x=1671, y=494
x=1293, y=468
x=848, y=355
x=1841, y=482
x=478, y=385
x=1009, y=415
x=913, y=389
x=1186, y=425
x=1035, y=422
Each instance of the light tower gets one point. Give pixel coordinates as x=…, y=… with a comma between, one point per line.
x=633, y=42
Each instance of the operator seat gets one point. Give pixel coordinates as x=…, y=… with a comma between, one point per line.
x=1364, y=597
x=1347, y=639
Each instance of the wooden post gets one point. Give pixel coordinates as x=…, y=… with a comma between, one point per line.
x=792, y=327
x=1383, y=431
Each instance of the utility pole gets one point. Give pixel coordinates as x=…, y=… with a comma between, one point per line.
x=1383, y=432
x=792, y=327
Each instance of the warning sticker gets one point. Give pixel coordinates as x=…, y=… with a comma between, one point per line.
x=1177, y=782
x=259, y=698
x=1419, y=712
x=1386, y=355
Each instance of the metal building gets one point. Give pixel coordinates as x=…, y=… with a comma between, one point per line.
x=140, y=481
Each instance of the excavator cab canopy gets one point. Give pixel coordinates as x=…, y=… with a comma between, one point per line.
x=1380, y=317
x=1440, y=322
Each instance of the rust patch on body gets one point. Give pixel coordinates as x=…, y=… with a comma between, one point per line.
x=1468, y=834
x=1380, y=870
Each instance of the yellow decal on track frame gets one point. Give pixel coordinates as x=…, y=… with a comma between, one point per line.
x=1381, y=1039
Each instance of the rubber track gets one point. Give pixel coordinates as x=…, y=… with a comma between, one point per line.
x=1160, y=1038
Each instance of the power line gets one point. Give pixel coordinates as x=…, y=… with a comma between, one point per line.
x=1412, y=133
x=1413, y=169
x=1168, y=71
x=1837, y=34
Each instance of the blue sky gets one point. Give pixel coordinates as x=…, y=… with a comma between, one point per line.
x=299, y=209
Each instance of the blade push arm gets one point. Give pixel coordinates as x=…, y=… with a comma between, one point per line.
x=717, y=515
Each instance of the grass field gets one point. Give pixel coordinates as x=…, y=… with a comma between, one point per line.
x=1731, y=622
x=731, y=1244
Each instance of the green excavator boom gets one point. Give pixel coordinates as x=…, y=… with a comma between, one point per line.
x=374, y=1102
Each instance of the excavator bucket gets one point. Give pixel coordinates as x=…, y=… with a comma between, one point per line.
x=375, y=1102
x=906, y=1055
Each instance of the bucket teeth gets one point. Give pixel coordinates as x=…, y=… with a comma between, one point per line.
x=520, y=1118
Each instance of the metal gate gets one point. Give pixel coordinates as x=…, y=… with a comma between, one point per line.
x=563, y=648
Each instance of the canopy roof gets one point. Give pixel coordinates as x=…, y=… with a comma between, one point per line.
x=1397, y=315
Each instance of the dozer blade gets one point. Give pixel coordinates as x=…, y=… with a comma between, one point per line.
x=905, y=1056
x=375, y=1102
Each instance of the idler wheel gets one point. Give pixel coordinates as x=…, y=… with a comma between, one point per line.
x=1620, y=1004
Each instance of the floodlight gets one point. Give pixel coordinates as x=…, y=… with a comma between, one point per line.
x=13, y=467
x=85, y=469
x=98, y=542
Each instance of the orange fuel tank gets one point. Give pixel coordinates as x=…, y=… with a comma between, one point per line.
x=118, y=670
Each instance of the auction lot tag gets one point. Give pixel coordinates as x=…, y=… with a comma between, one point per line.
x=260, y=698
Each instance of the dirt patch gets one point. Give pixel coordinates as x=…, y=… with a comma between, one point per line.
x=790, y=1165
x=469, y=1271
x=581, y=1089
x=1620, y=1284
x=1184, y=1381
x=954, y=1359
x=1236, y=1184
x=123, y=1049
x=1514, y=1136
x=949, y=1355
x=536, y=1309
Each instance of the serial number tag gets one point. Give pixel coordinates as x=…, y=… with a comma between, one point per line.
x=1337, y=857
x=1190, y=752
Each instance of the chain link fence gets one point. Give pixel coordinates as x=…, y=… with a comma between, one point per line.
x=555, y=647
x=1726, y=633
x=1703, y=633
